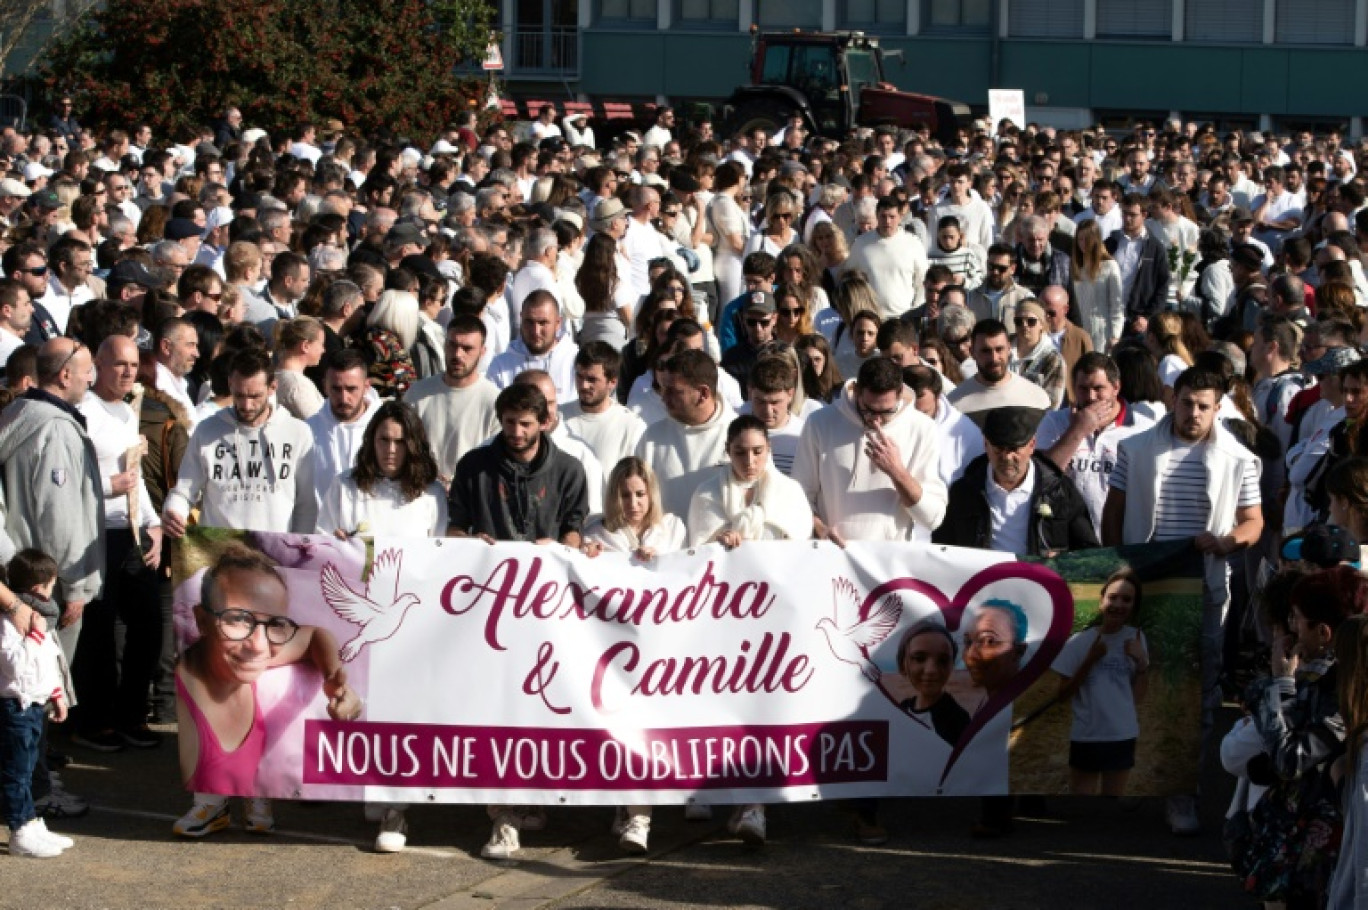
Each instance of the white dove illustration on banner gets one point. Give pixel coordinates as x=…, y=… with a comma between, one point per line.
x=853, y=640
x=379, y=610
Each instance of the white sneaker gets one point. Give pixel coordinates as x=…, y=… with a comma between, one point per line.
x=60, y=840
x=32, y=841
x=393, y=832
x=258, y=816
x=1181, y=814
x=374, y=812
x=503, y=842
x=697, y=812
x=635, y=834
x=207, y=815
x=748, y=823
x=531, y=818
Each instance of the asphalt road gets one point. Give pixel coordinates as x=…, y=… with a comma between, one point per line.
x=1088, y=854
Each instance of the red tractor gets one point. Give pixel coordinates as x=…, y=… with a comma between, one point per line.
x=835, y=81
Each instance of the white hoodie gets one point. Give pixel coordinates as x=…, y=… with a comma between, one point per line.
x=249, y=478
x=336, y=443
x=682, y=456
x=849, y=493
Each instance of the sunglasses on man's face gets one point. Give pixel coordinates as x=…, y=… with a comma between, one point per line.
x=1026, y=321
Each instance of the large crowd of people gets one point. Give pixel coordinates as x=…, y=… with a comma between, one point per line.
x=1028, y=340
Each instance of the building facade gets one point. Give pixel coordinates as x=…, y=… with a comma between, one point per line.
x=1279, y=64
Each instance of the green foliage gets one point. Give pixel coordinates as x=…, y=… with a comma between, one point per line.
x=467, y=25
x=377, y=67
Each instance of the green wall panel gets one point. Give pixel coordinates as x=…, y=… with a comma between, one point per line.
x=1103, y=75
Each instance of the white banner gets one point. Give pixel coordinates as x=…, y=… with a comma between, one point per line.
x=525, y=674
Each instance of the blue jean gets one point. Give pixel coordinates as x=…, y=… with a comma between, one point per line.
x=19, y=738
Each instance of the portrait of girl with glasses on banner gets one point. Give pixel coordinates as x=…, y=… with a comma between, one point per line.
x=245, y=630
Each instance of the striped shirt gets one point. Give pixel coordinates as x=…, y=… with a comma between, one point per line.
x=1184, y=507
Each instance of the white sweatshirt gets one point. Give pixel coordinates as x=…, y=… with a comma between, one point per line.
x=456, y=420
x=895, y=267
x=853, y=496
x=613, y=434
x=681, y=456
x=336, y=443
x=383, y=511
x=249, y=478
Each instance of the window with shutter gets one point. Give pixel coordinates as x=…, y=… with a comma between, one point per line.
x=1314, y=22
x=874, y=15
x=1134, y=18
x=1232, y=21
x=1045, y=19
x=957, y=15
x=790, y=13
x=712, y=12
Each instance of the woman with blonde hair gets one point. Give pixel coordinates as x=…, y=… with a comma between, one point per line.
x=798, y=268
x=853, y=295
x=829, y=243
x=1164, y=338
x=782, y=209
x=1097, y=287
x=633, y=523
x=391, y=329
x=298, y=346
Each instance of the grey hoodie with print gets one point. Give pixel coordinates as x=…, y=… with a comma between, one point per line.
x=249, y=478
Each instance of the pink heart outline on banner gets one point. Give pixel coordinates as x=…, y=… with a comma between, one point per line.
x=952, y=611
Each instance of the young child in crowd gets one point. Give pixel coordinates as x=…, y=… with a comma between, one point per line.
x=34, y=683
x=951, y=251
x=1102, y=670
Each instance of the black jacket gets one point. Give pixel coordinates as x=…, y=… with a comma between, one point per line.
x=1149, y=293
x=495, y=495
x=1068, y=526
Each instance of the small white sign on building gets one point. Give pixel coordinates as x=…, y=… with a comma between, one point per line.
x=1008, y=104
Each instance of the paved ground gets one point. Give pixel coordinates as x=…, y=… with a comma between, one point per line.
x=1090, y=854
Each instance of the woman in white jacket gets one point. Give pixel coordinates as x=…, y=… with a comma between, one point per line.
x=748, y=499
x=392, y=490
x=1097, y=287
x=633, y=523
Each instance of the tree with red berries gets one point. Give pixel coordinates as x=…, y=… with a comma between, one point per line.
x=386, y=67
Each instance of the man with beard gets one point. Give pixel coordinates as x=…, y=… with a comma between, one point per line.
x=539, y=347
x=993, y=385
x=338, y=426
x=604, y=423
x=1187, y=477
x=457, y=405
x=249, y=466
x=998, y=296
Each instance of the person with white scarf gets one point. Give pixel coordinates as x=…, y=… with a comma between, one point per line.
x=633, y=523
x=748, y=499
x=1034, y=356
